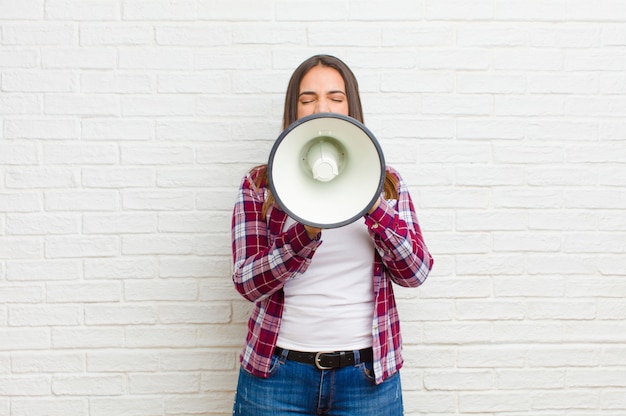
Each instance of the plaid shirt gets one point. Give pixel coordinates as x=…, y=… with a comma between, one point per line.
x=265, y=257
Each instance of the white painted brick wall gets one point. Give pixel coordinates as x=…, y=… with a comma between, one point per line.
x=126, y=125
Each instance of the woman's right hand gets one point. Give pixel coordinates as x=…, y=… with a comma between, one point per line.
x=312, y=231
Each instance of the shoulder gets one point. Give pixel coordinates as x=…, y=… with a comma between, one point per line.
x=394, y=176
x=392, y=171
x=258, y=172
x=255, y=178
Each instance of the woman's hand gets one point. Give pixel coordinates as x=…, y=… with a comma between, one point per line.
x=374, y=206
x=312, y=231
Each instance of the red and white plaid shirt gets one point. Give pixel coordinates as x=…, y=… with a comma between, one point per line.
x=265, y=257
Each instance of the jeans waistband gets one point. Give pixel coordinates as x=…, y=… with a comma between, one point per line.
x=328, y=360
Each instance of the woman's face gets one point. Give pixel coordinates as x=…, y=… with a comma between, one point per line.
x=322, y=89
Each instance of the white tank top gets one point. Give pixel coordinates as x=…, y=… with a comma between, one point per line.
x=330, y=307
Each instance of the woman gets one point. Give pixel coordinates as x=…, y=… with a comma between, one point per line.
x=318, y=291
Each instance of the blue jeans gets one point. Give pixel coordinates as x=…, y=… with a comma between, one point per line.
x=302, y=389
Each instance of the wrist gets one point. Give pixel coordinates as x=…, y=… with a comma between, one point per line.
x=312, y=232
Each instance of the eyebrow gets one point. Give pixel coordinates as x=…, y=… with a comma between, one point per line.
x=328, y=92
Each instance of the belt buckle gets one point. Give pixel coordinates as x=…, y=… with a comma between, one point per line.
x=318, y=358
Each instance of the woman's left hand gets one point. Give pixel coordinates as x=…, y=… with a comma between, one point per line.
x=374, y=206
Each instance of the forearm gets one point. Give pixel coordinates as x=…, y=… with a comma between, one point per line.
x=262, y=268
x=399, y=242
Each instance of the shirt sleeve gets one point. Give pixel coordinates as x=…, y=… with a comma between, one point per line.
x=398, y=238
x=262, y=262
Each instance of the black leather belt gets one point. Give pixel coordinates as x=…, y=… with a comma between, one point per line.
x=328, y=360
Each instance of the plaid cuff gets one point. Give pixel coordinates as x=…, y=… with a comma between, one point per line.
x=300, y=241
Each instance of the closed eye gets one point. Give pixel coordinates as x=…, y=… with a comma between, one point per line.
x=307, y=97
x=337, y=96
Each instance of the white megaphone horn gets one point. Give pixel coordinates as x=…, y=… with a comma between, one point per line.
x=326, y=170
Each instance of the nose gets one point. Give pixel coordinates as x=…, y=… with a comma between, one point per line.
x=321, y=107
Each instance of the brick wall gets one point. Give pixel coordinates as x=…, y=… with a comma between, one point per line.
x=126, y=125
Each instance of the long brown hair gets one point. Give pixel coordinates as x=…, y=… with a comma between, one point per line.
x=290, y=113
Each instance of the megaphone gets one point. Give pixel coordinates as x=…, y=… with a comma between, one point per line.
x=326, y=170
